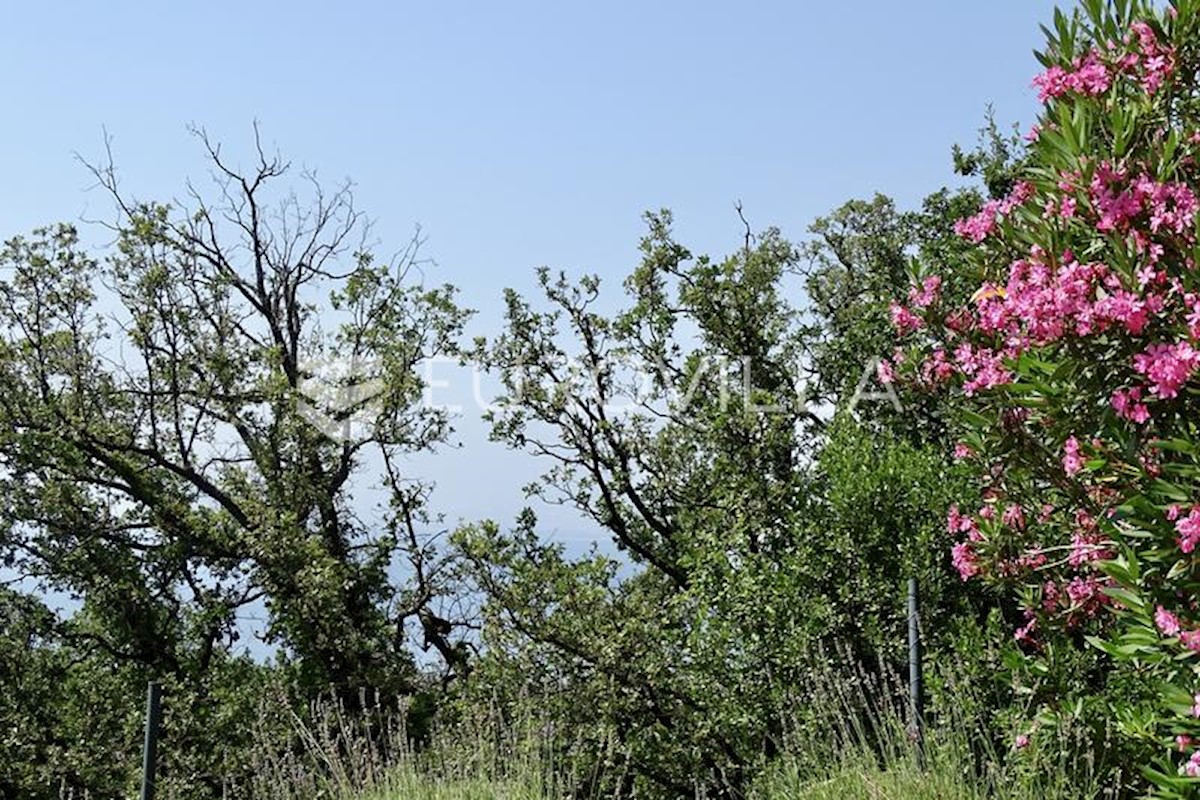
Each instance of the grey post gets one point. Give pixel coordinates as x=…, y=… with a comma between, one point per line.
x=150, y=748
x=914, y=660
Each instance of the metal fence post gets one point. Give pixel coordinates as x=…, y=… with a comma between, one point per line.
x=914, y=662
x=150, y=747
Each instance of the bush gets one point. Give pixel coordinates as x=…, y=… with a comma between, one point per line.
x=1072, y=364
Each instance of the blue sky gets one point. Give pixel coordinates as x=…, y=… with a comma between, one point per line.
x=517, y=134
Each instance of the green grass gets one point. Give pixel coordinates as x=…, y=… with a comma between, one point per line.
x=852, y=743
x=408, y=785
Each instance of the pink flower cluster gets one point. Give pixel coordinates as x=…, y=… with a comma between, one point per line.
x=1150, y=62
x=1086, y=594
x=963, y=555
x=904, y=320
x=1089, y=77
x=1072, y=461
x=1170, y=626
x=1166, y=622
x=983, y=367
x=1187, y=527
x=927, y=294
x=1128, y=405
x=1167, y=366
x=1086, y=548
x=1156, y=62
x=1120, y=197
x=978, y=227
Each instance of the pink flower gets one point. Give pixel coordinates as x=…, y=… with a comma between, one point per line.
x=1086, y=548
x=1050, y=596
x=1066, y=208
x=927, y=294
x=1166, y=622
x=1156, y=62
x=1190, y=640
x=1024, y=634
x=903, y=320
x=1127, y=308
x=1021, y=742
x=1072, y=461
x=964, y=559
x=1014, y=517
x=1188, y=529
x=1192, y=767
x=1091, y=77
x=984, y=367
x=978, y=227
x=885, y=371
x=1054, y=82
x=1086, y=595
x=937, y=369
x=1115, y=197
x=1167, y=366
x=1033, y=559
x=1183, y=742
x=1127, y=403
x=1172, y=207
x=962, y=452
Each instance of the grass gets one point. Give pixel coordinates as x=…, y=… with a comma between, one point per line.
x=409, y=785
x=849, y=745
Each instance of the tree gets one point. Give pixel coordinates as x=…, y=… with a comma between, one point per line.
x=171, y=457
x=677, y=424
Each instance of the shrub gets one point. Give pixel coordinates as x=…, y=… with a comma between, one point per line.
x=1071, y=367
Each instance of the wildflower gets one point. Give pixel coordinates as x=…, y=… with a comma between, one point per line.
x=937, y=368
x=1021, y=742
x=1050, y=595
x=1024, y=634
x=1172, y=207
x=1086, y=595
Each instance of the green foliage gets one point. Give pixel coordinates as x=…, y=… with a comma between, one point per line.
x=760, y=531
x=1075, y=357
x=170, y=461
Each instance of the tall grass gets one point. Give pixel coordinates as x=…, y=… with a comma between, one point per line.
x=855, y=739
x=850, y=737
x=332, y=753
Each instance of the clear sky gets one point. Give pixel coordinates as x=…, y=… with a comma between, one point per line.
x=517, y=134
